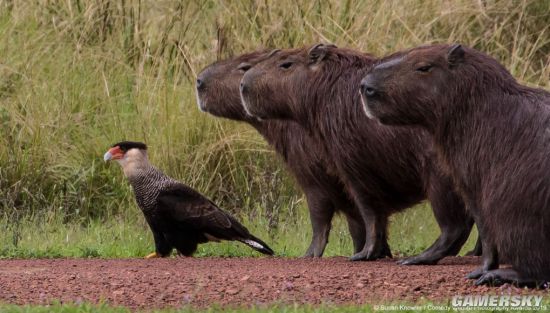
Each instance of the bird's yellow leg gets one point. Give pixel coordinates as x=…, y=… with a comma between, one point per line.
x=153, y=255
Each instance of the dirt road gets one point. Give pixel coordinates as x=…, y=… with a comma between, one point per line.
x=200, y=282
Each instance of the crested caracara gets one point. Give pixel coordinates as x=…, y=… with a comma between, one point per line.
x=178, y=216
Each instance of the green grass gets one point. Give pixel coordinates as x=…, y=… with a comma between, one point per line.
x=127, y=235
x=296, y=308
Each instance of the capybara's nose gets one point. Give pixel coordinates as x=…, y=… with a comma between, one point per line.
x=200, y=84
x=367, y=88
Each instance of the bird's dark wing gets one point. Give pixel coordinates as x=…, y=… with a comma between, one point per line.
x=189, y=208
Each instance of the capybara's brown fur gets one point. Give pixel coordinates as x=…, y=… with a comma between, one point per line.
x=385, y=169
x=491, y=134
x=218, y=94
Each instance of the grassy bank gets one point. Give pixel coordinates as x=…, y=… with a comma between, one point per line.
x=127, y=235
x=395, y=307
x=77, y=76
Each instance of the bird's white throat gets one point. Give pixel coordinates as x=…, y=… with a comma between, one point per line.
x=134, y=161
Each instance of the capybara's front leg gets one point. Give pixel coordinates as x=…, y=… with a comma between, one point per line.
x=321, y=211
x=489, y=257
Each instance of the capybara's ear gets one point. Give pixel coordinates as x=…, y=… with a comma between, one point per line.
x=319, y=52
x=272, y=53
x=245, y=66
x=455, y=55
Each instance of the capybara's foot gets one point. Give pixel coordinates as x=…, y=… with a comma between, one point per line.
x=428, y=257
x=508, y=276
x=309, y=252
x=490, y=263
x=372, y=253
x=311, y=255
x=153, y=256
x=418, y=260
x=477, y=273
x=314, y=252
x=499, y=277
x=359, y=256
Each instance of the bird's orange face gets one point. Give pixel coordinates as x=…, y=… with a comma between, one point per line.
x=115, y=153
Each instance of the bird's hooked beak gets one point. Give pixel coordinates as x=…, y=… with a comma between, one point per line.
x=115, y=153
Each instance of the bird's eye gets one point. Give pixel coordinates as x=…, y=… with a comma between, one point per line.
x=285, y=65
x=244, y=67
x=424, y=68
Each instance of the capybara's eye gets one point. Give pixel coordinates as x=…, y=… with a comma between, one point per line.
x=425, y=68
x=285, y=65
x=244, y=67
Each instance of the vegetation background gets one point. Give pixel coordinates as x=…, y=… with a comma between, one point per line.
x=77, y=76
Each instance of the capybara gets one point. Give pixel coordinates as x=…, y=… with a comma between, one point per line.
x=384, y=169
x=218, y=94
x=492, y=135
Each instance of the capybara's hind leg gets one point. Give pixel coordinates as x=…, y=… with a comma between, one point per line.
x=448, y=244
x=452, y=217
x=455, y=229
x=376, y=245
x=357, y=231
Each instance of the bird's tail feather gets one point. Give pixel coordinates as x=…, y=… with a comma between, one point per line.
x=257, y=245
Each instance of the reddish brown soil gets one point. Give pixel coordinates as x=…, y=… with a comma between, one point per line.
x=235, y=281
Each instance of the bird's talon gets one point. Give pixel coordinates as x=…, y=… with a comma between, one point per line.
x=152, y=256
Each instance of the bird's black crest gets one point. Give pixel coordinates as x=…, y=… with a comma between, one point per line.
x=127, y=145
